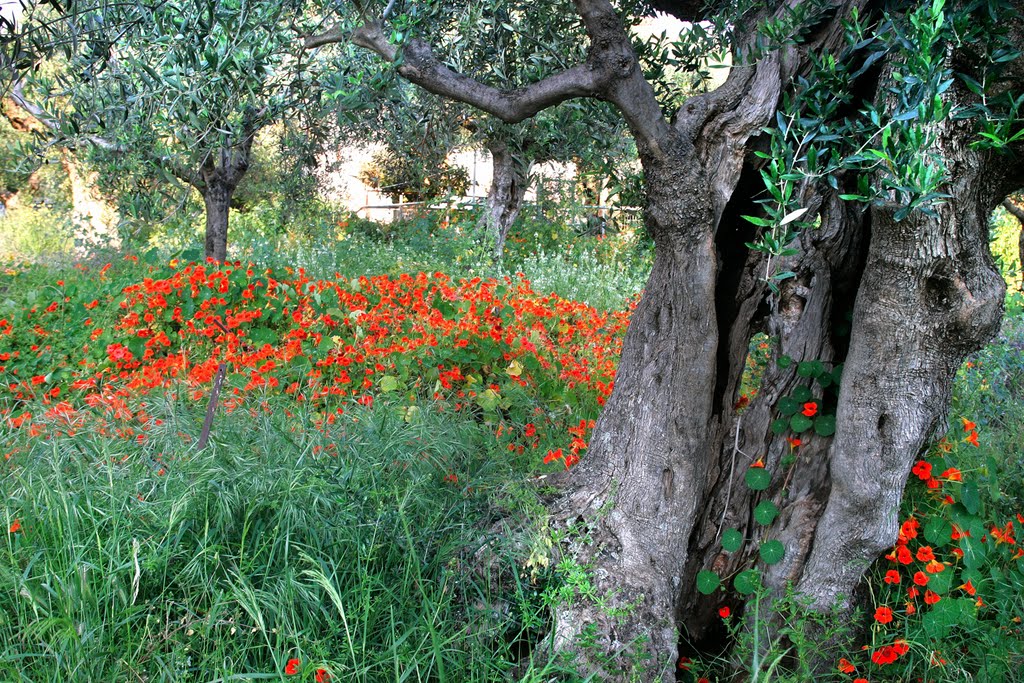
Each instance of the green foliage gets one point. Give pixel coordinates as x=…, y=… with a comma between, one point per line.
x=415, y=178
x=342, y=548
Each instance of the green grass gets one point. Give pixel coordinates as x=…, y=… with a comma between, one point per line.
x=348, y=550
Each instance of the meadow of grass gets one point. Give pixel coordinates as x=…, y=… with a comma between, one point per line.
x=334, y=527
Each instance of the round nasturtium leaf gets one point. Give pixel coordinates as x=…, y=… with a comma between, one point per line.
x=938, y=531
x=806, y=369
x=780, y=426
x=800, y=423
x=746, y=582
x=757, y=478
x=801, y=394
x=772, y=551
x=784, y=362
x=825, y=425
x=707, y=582
x=732, y=539
x=388, y=383
x=765, y=512
x=787, y=406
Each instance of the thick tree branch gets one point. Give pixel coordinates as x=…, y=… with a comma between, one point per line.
x=420, y=66
x=176, y=169
x=1015, y=205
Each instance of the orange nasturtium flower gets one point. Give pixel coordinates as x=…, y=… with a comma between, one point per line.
x=923, y=470
x=846, y=666
x=724, y=612
x=883, y=615
x=968, y=425
x=15, y=526
x=292, y=667
x=810, y=409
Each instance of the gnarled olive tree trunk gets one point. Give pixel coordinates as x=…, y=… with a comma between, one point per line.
x=218, y=177
x=886, y=309
x=509, y=182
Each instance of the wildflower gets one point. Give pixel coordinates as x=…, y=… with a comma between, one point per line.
x=931, y=597
x=757, y=463
x=322, y=676
x=845, y=666
x=923, y=470
x=968, y=425
x=292, y=667
x=968, y=588
x=925, y=554
x=684, y=663
x=15, y=527
x=724, y=612
x=972, y=438
x=892, y=576
x=793, y=441
x=553, y=455
x=903, y=555
x=883, y=615
x=810, y=409
x=921, y=579
x=952, y=474
x=934, y=567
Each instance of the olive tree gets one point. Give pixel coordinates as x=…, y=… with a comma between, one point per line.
x=834, y=193
x=179, y=89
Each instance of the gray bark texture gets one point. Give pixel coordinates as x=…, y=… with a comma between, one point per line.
x=509, y=183
x=898, y=303
x=218, y=177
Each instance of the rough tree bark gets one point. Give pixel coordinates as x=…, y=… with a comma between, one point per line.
x=509, y=183
x=218, y=177
x=900, y=303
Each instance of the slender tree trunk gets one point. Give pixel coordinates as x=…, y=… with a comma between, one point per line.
x=217, y=199
x=1015, y=205
x=505, y=198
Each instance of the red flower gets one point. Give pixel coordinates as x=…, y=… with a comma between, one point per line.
x=553, y=455
x=724, y=612
x=15, y=527
x=530, y=429
x=952, y=474
x=935, y=567
x=810, y=409
x=923, y=470
x=921, y=579
x=972, y=438
x=860, y=680
x=292, y=667
x=892, y=576
x=968, y=425
x=931, y=597
x=322, y=676
x=925, y=554
x=684, y=663
x=846, y=667
x=793, y=442
x=903, y=556
x=968, y=588
x=883, y=615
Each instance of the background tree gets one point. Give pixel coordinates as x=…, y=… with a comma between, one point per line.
x=873, y=118
x=182, y=89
